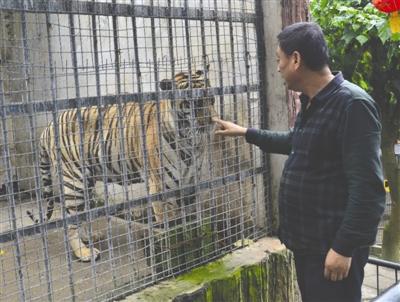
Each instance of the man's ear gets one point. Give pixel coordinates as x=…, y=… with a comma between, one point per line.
x=166, y=84
x=296, y=58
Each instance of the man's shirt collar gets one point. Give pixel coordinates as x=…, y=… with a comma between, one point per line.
x=325, y=92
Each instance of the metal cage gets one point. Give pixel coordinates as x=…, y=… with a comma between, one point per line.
x=86, y=89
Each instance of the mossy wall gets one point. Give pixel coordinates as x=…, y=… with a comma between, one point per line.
x=263, y=271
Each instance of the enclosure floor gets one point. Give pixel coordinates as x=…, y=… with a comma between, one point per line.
x=129, y=268
x=23, y=202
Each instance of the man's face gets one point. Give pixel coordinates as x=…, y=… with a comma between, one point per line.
x=288, y=66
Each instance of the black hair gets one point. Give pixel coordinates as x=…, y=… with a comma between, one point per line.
x=308, y=39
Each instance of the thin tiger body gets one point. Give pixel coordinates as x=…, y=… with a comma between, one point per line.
x=174, y=137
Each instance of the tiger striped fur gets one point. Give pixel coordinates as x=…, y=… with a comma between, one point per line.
x=182, y=140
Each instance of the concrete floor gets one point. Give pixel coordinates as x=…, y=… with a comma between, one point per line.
x=122, y=264
x=127, y=267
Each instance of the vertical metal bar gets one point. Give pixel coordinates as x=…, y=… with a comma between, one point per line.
x=122, y=124
x=81, y=148
x=235, y=118
x=58, y=157
x=82, y=164
x=56, y=129
x=158, y=110
x=10, y=196
x=173, y=106
x=9, y=185
x=195, y=143
x=116, y=49
x=90, y=216
x=100, y=107
x=221, y=101
x=377, y=280
x=249, y=120
x=132, y=247
x=101, y=119
x=214, y=226
x=221, y=75
x=157, y=89
x=264, y=108
x=396, y=275
x=93, y=264
x=63, y=203
x=144, y=143
x=122, y=110
x=107, y=208
x=96, y=57
x=34, y=149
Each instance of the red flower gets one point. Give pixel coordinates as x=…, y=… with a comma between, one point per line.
x=387, y=6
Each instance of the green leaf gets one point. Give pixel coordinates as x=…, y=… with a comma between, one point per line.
x=323, y=3
x=356, y=27
x=362, y=39
x=364, y=85
x=348, y=36
x=384, y=32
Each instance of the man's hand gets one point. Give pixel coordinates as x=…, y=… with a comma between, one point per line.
x=336, y=266
x=228, y=128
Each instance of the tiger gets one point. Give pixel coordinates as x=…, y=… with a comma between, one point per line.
x=175, y=134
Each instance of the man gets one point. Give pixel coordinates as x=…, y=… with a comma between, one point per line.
x=331, y=194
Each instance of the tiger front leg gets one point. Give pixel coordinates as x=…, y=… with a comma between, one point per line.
x=164, y=210
x=78, y=247
x=74, y=203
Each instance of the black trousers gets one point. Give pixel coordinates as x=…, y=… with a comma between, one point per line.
x=315, y=288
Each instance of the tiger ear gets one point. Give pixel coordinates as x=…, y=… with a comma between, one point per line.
x=166, y=84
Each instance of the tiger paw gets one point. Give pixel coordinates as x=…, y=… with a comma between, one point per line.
x=82, y=252
x=80, y=249
x=84, y=255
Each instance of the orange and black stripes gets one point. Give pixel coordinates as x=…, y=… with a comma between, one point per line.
x=82, y=154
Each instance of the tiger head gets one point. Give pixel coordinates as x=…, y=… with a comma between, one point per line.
x=203, y=107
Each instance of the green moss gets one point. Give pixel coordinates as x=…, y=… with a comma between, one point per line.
x=189, y=244
x=226, y=289
x=214, y=270
x=252, y=283
x=228, y=280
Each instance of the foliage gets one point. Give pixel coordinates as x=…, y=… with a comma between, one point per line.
x=361, y=45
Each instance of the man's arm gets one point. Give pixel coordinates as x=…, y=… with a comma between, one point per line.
x=269, y=141
x=366, y=195
x=364, y=176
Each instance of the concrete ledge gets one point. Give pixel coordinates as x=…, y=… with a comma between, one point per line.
x=262, y=271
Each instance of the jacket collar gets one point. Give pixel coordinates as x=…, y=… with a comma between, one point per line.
x=325, y=92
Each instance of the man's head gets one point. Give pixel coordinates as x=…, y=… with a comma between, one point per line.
x=301, y=45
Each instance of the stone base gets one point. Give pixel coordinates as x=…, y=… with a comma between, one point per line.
x=262, y=271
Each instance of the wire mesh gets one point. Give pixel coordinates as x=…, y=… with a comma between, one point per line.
x=111, y=175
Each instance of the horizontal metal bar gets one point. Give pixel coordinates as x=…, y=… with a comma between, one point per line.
x=118, y=208
x=123, y=10
x=384, y=263
x=62, y=104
